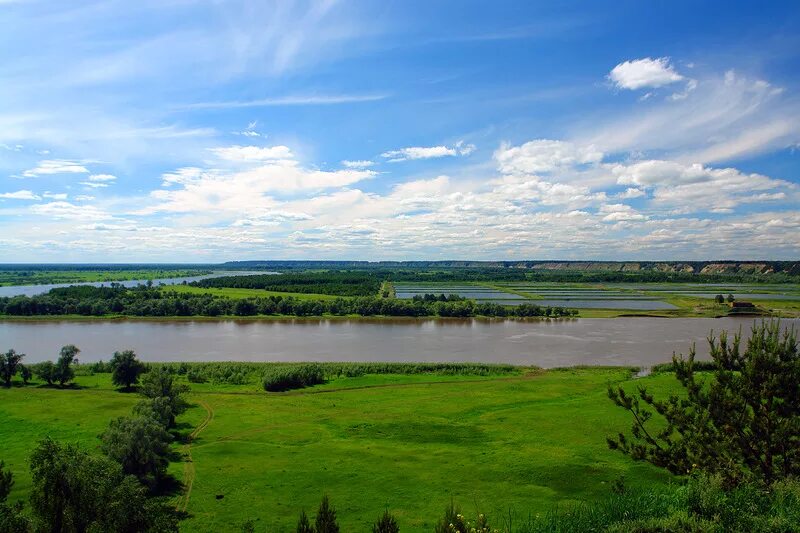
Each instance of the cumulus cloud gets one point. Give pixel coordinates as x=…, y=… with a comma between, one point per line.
x=428, y=152
x=56, y=166
x=544, y=155
x=68, y=211
x=644, y=73
x=20, y=195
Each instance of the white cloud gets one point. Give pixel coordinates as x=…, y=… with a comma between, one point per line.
x=361, y=163
x=293, y=100
x=56, y=166
x=631, y=192
x=722, y=118
x=104, y=178
x=55, y=195
x=697, y=187
x=620, y=213
x=428, y=152
x=20, y=195
x=68, y=211
x=646, y=72
x=543, y=155
x=252, y=153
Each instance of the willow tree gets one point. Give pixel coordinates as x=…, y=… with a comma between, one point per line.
x=740, y=420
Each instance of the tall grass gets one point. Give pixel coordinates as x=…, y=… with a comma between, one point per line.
x=701, y=505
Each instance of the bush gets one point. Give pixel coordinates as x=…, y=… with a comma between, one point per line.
x=293, y=377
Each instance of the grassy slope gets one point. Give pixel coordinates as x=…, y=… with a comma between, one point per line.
x=402, y=442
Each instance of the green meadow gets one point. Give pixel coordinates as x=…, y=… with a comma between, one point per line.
x=520, y=443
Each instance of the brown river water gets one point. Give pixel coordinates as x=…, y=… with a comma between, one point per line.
x=637, y=341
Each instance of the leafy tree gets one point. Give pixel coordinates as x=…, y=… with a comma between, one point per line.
x=160, y=383
x=6, y=481
x=719, y=299
x=11, y=518
x=386, y=524
x=64, y=373
x=326, y=518
x=141, y=445
x=47, y=371
x=75, y=491
x=26, y=373
x=303, y=526
x=741, y=422
x=159, y=409
x=730, y=298
x=9, y=363
x=125, y=369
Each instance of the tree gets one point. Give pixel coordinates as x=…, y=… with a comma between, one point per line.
x=64, y=373
x=141, y=445
x=303, y=526
x=75, y=491
x=741, y=422
x=160, y=383
x=159, y=409
x=9, y=363
x=730, y=298
x=719, y=299
x=26, y=373
x=386, y=524
x=11, y=518
x=125, y=369
x=326, y=518
x=47, y=371
x=6, y=482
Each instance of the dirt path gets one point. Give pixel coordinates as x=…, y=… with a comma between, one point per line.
x=188, y=464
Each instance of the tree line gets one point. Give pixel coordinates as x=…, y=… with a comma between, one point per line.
x=122, y=490
x=155, y=302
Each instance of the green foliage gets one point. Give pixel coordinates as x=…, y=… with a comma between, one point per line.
x=325, y=521
x=141, y=445
x=340, y=283
x=455, y=522
x=46, y=370
x=25, y=373
x=386, y=524
x=63, y=372
x=303, y=525
x=702, y=505
x=284, y=378
x=719, y=299
x=160, y=383
x=9, y=363
x=158, y=408
x=144, y=301
x=125, y=369
x=75, y=491
x=6, y=482
x=742, y=423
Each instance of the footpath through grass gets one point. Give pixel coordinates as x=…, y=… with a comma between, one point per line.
x=524, y=442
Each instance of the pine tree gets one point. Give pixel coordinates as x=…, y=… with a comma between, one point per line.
x=326, y=518
x=741, y=421
x=386, y=524
x=303, y=525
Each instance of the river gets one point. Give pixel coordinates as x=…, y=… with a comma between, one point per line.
x=639, y=341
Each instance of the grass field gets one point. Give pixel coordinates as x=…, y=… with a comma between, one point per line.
x=39, y=277
x=521, y=443
x=246, y=293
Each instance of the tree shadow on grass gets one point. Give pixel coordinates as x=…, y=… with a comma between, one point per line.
x=68, y=386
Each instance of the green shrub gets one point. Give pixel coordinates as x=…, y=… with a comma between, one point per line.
x=293, y=377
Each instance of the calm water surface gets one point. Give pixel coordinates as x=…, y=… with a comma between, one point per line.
x=620, y=341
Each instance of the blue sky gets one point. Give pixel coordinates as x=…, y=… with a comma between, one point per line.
x=195, y=131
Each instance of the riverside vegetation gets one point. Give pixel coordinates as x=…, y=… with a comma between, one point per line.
x=264, y=458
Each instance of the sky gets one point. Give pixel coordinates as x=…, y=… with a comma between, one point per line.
x=208, y=131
